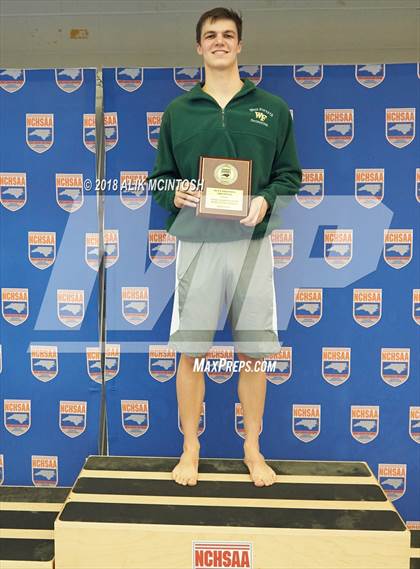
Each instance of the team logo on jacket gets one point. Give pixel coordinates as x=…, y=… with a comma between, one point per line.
x=112, y=361
x=162, y=247
x=111, y=247
x=392, y=478
x=89, y=132
x=129, y=78
x=338, y=247
x=1, y=469
x=222, y=554
x=17, y=416
x=336, y=365
x=369, y=186
x=306, y=422
x=308, y=76
x=92, y=250
x=201, y=421
x=364, y=423
x=311, y=192
x=367, y=306
x=370, y=75
x=395, y=365
x=282, y=247
x=111, y=130
x=400, y=126
x=239, y=421
x=154, y=120
x=133, y=189
x=414, y=424
x=417, y=188
x=398, y=247
x=70, y=306
x=308, y=306
x=73, y=418
x=15, y=305
x=251, y=72
x=219, y=363
x=93, y=363
x=69, y=79
x=39, y=132
x=44, y=362
x=283, y=363
x=135, y=304
x=416, y=305
x=162, y=362
x=69, y=191
x=13, y=190
x=11, y=80
x=135, y=416
x=339, y=126
x=187, y=77
x=44, y=471
x=41, y=248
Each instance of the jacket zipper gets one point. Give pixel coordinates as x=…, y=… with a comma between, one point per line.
x=223, y=117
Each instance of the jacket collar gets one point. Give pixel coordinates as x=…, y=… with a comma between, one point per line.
x=197, y=92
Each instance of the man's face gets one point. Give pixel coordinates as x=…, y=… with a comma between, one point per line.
x=219, y=44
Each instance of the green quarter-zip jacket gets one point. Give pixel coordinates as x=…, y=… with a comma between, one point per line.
x=255, y=125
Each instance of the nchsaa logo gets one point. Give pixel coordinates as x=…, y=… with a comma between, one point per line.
x=364, y=423
x=338, y=247
x=395, y=365
x=282, y=247
x=370, y=75
x=112, y=361
x=15, y=305
x=400, y=126
x=283, y=360
x=92, y=250
x=336, y=365
x=222, y=554
x=162, y=362
x=416, y=189
x=70, y=306
x=72, y=418
x=414, y=424
x=187, y=77
x=154, y=120
x=41, y=248
x=251, y=72
x=398, y=247
x=369, y=186
x=110, y=130
x=162, y=247
x=339, y=127
x=392, y=478
x=17, y=416
x=133, y=185
x=44, y=471
x=69, y=191
x=11, y=80
x=39, y=132
x=135, y=416
x=112, y=248
x=239, y=421
x=367, y=306
x=69, y=79
x=213, y=358
x=89, y=132
x=416, y=305
x=135, y=304
x=308, y=306
x=129, y=78
x=306, y=422
x=308, y=76
x=93, y=362
x=201, y=421
x=44, y=362
x=13, y=190
x=311, y=192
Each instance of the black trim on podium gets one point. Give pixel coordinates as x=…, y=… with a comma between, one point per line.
x=13, y=549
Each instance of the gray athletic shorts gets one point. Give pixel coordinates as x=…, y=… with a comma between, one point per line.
x=234, y=274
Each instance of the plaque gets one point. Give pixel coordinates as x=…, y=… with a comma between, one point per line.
x=226, y=187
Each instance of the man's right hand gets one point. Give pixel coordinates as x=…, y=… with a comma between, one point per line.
x=186, y=194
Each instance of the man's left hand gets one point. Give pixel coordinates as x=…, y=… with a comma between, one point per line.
x=257, y=210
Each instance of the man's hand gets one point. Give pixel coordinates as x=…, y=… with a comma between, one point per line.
x=257, y=210
x=186, y=194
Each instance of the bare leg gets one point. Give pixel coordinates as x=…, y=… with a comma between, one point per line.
x=190, y=394
x=251, y=390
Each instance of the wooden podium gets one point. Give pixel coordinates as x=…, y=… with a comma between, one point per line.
x=27, y=517
x=126, y=512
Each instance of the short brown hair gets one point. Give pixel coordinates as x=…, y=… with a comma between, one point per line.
x=219, y=14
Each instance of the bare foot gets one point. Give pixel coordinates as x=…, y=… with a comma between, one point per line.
x=186, y=471
x=261, y=474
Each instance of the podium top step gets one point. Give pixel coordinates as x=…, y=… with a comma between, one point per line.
x=228, y=466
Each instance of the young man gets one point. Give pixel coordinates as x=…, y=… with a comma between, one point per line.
x=224, y=260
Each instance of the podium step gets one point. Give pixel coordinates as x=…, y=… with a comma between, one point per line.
x=27, y=515
x=127, y=512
